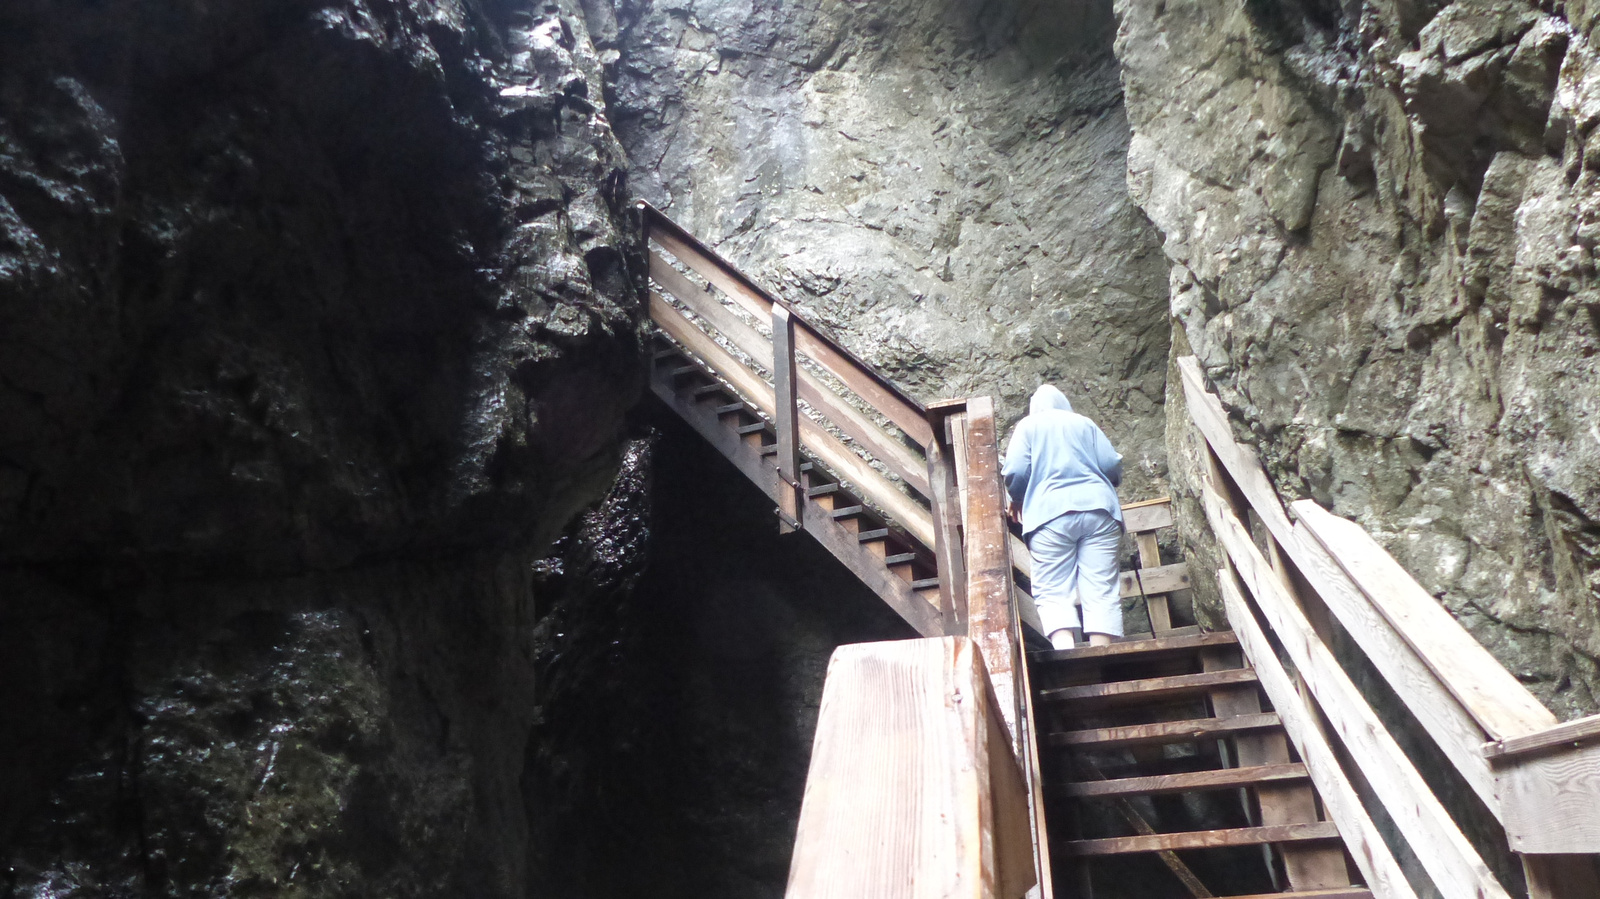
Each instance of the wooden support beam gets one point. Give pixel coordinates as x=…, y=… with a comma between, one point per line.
x=1355, y=827
x=1444, y=852
x=913, y=792
x=991, y=615
x=786, y=421
x=1155, y=601
x=943, y=498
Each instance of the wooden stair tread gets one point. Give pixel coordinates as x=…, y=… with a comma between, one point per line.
x=899, y=558
x=1160, y=732
x=1122, y=648
x=848, y=511
x=682, y=370
x=924, y=583
x=822, y=490
x=730, y=407
x=751, y=429
x=1187, y=782
x=1202, y=839
x=874, y=534
x=705, y=390
x=1334, y=893
x=1150, y=688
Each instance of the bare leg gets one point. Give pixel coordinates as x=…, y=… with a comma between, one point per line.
x=1099, y=639
x=1062, y=639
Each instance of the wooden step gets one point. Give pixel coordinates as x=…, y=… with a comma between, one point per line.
x=927, y=583
x=756, y=428
x=1187, y=782
x=822, y=490
x=731, y=407
x=900, y=558
x=1148, y=689
x=1202, y=839
x=705, y=390
x=682, y=370
x=1143, y=648
x=1161, y=732
x=666, y=353
x=1335, y=893
x=874, y=534
x=848, y=512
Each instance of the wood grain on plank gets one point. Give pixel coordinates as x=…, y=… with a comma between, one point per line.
x=1158, y=647
x=1551, y=801
x=1148, y=689
x=991, y=611
x=1566, y=734
x=1443, y=850
x=908, y=795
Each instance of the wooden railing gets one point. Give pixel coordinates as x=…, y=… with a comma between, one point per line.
x=1314, y=581
x=932, y=470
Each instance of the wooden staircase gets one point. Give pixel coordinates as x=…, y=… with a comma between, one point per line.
x=1174, y=763
x=1134, y=732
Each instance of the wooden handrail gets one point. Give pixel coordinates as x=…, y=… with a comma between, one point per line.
x=1539, y=778
x=907, y=414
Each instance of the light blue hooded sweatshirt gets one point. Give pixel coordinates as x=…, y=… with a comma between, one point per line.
x=1060, y=462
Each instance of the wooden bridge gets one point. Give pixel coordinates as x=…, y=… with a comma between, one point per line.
x=1174, y=763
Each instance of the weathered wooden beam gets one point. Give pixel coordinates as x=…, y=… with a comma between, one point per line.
x=786, y=421
x=912, y=792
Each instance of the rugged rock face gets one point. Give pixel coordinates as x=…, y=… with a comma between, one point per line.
x=938, y=183
x=315, y=327
x=1381, y=224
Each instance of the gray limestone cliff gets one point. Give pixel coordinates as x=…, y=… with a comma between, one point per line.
x=1381, y=226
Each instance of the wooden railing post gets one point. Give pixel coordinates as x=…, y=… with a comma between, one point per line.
x=944, y=497
x=786, y=419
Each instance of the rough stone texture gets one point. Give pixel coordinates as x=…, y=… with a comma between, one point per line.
x=315, y=326
x=939, y=184
x=1381, y=222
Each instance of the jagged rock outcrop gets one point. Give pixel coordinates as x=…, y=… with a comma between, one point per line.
x=316, y=326
x=937, y=183
x=1381, y=224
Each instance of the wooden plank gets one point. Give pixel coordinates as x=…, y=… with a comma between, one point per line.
x=1164, y=579
x=1566, y=734
x=947, y=549
x=1045, y=888
x=1149, y=515
x=1159, y=647
x=1162, y=732
x=1148, y=689
x=991, y=613
x=1550, y=800
x=879, y=392
x=880, y=444
x=791, y=493
x=1335, y=893
x=1141, y=826
x=1186, y=782
x=912, y=792
x=1440, y=846
x=916, y=520
x=1360, y=835
x=1500, y=704
x=1561, y=876
x=1202, y=839
x=1447, y=722
x=1156, y=607
x=844, y=545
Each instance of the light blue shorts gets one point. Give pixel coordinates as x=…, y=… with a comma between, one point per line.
x=1075, y=564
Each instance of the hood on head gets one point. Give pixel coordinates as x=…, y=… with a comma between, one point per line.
x=1047, y=397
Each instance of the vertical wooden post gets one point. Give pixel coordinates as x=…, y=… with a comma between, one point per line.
x=990, y=610
x=786, y=419
x=944, y=496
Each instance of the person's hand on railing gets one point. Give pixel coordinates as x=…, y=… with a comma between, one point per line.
x=1014, y=511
